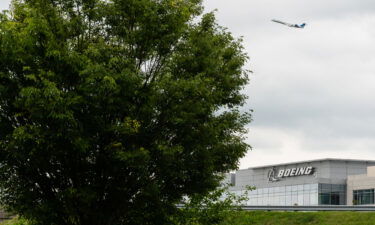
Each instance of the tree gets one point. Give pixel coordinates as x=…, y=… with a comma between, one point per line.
x=112, y=111
x=212, y=208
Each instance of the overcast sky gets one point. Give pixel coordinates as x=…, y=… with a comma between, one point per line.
x=313, y=89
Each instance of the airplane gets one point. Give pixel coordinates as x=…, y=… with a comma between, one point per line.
x=289, y=24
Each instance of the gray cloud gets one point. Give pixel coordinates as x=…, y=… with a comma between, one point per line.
x=312, y=90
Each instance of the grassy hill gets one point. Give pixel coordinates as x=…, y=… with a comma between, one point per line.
x=297, y=218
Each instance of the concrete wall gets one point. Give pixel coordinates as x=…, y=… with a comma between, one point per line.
x=360, y=182
x=371, y=171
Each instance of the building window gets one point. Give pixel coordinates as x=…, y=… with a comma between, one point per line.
x=332, y=194
x=363, y=197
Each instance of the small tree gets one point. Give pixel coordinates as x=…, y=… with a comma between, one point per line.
x=112, y=110
x=212, y=208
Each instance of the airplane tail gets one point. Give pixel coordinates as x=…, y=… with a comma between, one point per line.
x=303, y=25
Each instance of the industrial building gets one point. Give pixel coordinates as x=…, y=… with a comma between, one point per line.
x=305, y=183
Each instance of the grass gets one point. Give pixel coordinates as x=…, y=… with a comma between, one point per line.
x=297, y=218
x=284, y=218
x=14, y=221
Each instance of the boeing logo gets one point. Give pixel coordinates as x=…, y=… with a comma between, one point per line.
x=272, y=175
x=297, y=171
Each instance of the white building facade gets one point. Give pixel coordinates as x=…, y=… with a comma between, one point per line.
x=315, y=182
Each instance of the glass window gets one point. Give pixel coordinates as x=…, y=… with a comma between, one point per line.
x=300, y=198
x=363, y=197
x=306, y=199
x=276, y=200
x=314, y=198
x=314, y=187
x=261, y=200
x=294, y=199
x=288, y=199
x=282, y=200
x=335, y=198
x=325, y=188
x=306, y=187
x=324, y=199
x=307, y=194
x=270, y=200
x=338, y=187
x=265, y=200
x=255, y=201
x=332, y=194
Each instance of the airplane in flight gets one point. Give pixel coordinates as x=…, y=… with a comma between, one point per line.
x=289, y=24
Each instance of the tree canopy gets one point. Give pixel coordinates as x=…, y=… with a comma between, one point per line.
x=111, y=111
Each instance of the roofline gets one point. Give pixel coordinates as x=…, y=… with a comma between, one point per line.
x=314, y=160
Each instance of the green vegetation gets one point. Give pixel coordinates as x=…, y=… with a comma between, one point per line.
x=276, y=218
x=210, y=209
x=300, y=218
x=15, y=221
x=112, y=111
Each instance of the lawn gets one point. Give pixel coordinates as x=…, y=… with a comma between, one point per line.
x=286, y=218
x=305, y=218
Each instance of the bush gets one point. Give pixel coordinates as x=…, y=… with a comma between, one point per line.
x=210, y=209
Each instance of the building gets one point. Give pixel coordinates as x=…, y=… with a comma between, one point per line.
x=315, y=182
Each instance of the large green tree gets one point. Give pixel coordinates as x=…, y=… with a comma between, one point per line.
x=112, y=110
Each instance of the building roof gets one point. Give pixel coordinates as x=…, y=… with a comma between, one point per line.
x=314, y=160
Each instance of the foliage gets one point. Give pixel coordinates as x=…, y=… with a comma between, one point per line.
x=112, y=111
x=210, y=209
